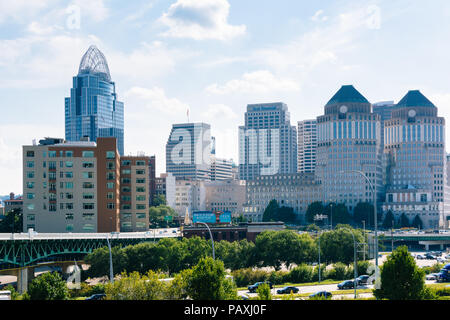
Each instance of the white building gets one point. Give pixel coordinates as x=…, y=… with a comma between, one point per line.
x=307, y=146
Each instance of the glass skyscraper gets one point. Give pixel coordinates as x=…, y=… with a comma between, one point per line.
x=92, y=109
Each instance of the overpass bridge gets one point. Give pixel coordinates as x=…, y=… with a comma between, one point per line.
x=20, y=253
x=416, y=240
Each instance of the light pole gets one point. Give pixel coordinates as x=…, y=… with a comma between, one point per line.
x=331, y=216
x=319, y=217
x=111, y=272
x=212, y=240
x=375, y=218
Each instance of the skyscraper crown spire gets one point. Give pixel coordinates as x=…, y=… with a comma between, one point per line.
x=94, y=61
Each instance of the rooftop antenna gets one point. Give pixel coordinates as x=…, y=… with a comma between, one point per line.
x=188, y=115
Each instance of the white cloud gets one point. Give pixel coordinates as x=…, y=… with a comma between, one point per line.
x=200, y=20
x=262, y=81
x=21, y=10
x=318, y=16
x=155, y=100
x=219, y=111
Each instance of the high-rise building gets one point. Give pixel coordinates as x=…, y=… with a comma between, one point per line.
x=415, y=145
x=93, y=110
x=71, y=186
x=349, y=141
x=267, y=141
x=221, y=169
x=307, y=146
x=226, y=195
x=188, y=151
x=166, y=186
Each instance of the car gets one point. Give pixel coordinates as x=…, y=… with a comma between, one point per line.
x=364, y=279
x=98, y=296
x=324, y=294
x=347, y=284
x=441, y=260
x=255, y=286
x=429, y=256
x=444, y=274
x=174, y=231
x=287, y=290
x=431, y=276
x=420, y=257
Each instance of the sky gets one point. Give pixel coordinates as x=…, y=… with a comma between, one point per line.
x=212, y=57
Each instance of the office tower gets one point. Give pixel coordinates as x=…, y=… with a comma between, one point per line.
x=71, y=186
x=221, y=169
x=93, y=110
x=225, y=195
x=135, y=192
x=415, y=146
x=166, y=186
x=267, y=141
x=188, y=151
x=307, y=146
x=348, y=141
x=296, y=190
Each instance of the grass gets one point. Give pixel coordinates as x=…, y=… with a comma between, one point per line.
x=328, y=281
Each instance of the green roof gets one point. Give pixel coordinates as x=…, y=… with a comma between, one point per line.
x=415, y=98
x=347, y=94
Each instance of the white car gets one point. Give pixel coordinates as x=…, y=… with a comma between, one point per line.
x=420, y=257
x=440, y=260
x=431, y=276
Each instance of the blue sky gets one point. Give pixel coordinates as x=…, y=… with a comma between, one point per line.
x=213, y=57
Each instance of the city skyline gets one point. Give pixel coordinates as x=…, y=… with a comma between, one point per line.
x=216, y=80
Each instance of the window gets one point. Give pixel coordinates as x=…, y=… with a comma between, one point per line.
x=140, y=180
x=110, y=165
x=69, y=185
x=69, y=174
x=140, y=163
x=88, y=206
x=69, y=164
x=110, y=185
x=69, y=154
x=88, y=227
x=140, y=171
x=52, y=154
x=88, y=154
x=30, y=174
x=31, y=196
x=110, y=195
x=30, y=164
x=88, y=164
x=69, y=216
x=30, y=154
x=141, y=225
x=30, y=217
x=126, y=162
x=126, y=171
x=69, y=227
x=126, y=189
x=110, y=175
x=30, y=185
x=88, y=185
x=88, y=216
x=140, y=207
x=69, y=195
x=110, y=154
x=30, y=206
x=126, y=207
x=140, y=189
x=126, y=180
x=140, y=198
x=88, y=196
x=88, y=175
x=141, y=215
x=69, y=206
x=111, y=205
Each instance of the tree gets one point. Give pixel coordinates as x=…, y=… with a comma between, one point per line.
x=363, y=212
x=159, y=200
x=271, y=210
x=404, y=221
x=208, y=282
x=417, y=222
x=48, y=286
x=263, y=292
x=401, y=279
x=157, y=215
x=12, y=220
x=314, y=209
x=285, y=214
x=340, y=213
x=135, y=287
x=337, y=245
x=389, y=220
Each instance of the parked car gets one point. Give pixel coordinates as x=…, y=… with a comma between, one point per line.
x=287, y=290
x=98, y=296
x=347, y=284
x=364, y=279
x=441, y=260
x=429, y=256
x=420, y=257
x=325, y=294
x=255, y=286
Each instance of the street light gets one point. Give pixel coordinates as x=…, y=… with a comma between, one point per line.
x=212, y=240
x=319, y=217
x=375, y=218
x=111, y=272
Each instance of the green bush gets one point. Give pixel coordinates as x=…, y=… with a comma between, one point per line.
x=278, y=277
x=301, y=274
x=248, y=276
x=338, y=272
x=264, y=292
